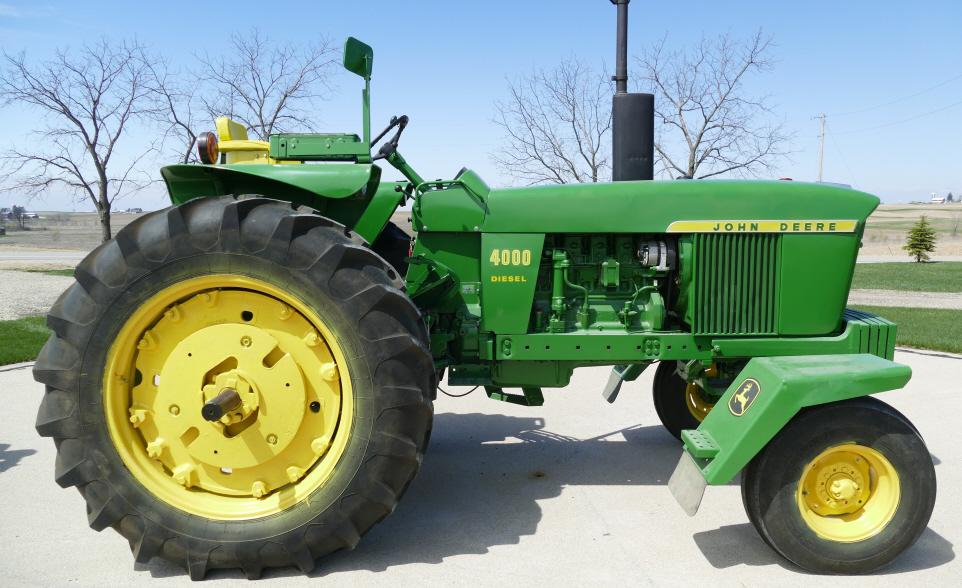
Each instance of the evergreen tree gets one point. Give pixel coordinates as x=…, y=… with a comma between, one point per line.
x=921, y=240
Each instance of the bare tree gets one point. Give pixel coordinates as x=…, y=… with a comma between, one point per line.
x=556, y=126
x=177, y=108
x=269, y=88
x=89, y=97
x=708, y=123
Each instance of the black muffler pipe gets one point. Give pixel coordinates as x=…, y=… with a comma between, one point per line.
x=632, y=116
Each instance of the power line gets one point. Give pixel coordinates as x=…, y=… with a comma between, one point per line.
x=838, y=149
x=901, y=99
x=904, y=120
x=821, y=143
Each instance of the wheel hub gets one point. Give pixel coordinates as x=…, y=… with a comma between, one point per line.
x=848, y=493
x=234, y=393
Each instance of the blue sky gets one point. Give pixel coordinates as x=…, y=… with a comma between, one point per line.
x=445, y=63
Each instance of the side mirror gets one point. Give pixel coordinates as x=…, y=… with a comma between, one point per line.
x=358, y=57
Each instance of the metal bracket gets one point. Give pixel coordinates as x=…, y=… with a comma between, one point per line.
x=528, y=396
x=619, y=375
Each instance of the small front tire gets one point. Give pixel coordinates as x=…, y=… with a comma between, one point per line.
x=844, y=488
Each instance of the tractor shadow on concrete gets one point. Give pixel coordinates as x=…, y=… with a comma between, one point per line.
x=479, y=487
x=482, y=480
x=10, y=458
x=483, y=477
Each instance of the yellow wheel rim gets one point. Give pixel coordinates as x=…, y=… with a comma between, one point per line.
x=204, y=336
x=848, y=493
x=695, y=399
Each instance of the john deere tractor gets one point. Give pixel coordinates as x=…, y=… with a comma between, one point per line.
x=245, y=379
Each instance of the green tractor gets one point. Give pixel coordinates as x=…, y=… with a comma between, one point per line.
x=245, y=379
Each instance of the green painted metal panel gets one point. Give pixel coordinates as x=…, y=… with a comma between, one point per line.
x=453, y=209
x=651, y=206
x=813, y=290
x=862, y=333
x=386, y=200
x=328, y=180
x=318, y=147
x=509, y=274
x=785, y=385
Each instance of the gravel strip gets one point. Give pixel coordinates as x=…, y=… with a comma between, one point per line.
x=907, y=299
x=903, y=258
x=25, y=293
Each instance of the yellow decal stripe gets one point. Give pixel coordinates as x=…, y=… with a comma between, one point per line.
x=764, y=226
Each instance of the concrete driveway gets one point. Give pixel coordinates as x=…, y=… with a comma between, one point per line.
x=572, y=493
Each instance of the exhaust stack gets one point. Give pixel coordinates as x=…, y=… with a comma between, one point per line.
x=632, y=116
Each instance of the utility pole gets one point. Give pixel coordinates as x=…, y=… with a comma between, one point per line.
x=821, y=144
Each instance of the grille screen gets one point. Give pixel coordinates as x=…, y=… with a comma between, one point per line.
x=736, y=283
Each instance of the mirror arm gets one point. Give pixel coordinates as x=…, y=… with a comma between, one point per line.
x=366, y=110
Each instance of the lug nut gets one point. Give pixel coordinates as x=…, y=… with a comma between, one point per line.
x=137, y=417
x=155, y=448
x=272, y=439
x=294, y=473
x=258, y=489
x=173, y=314
x=174, y=409
x=149, y=341
x=245, y=341
x=311, y=339
x=185, y=475
x=320, y=444
x=329, y=372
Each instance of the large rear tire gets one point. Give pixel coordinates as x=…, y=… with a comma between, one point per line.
x=844, y=488
x=307, y=334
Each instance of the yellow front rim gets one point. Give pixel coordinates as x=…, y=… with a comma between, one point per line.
x=848, y=493
x=697, y=402
x=204, y=336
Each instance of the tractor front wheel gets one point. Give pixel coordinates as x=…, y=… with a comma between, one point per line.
x=844, y=488
x=680, y=405
x=236, y=383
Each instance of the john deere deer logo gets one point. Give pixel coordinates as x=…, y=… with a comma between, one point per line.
x=746, y=394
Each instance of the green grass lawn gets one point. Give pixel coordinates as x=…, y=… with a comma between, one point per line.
x=21, y=339
x=941, y=276
x=924, y=328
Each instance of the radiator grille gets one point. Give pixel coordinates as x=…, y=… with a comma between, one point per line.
x=736, y=284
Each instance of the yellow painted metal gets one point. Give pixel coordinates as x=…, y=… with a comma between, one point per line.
x=236, y=146
x=848, y=493
x=199, y=337
x=695, y=397
x=698, y=404
x=764, y=226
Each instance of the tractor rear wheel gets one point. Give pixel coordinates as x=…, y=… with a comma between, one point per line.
x=844, y=488
x=236, y=383
x=679, y=405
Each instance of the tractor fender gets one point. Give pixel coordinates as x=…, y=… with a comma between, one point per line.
x=328, y=181
x=769, y=392
x=350, y=194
